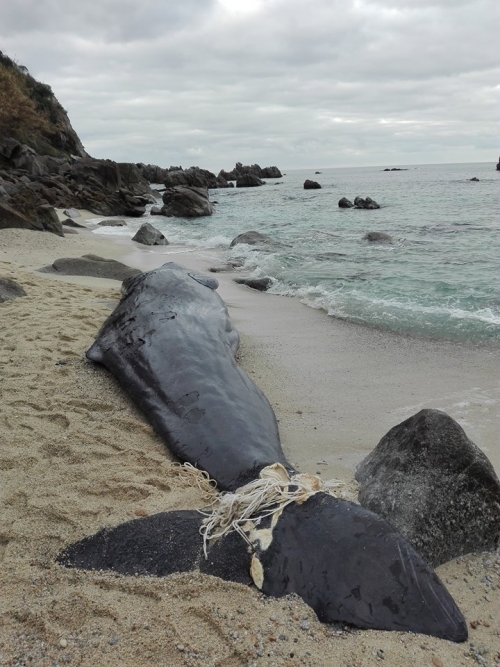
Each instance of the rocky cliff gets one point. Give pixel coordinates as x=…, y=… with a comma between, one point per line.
x=30, y=113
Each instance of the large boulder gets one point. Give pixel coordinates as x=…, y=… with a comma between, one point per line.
x=47, y=216
x=498, y=164
x=345, y=203
x=186, y=202
x=91, y=265
x=194, y=176
x=433, y=484
x=311, y=185
x=249, y=181
x=11, y=217
x=368, y=203
x=149, y=235
x=9, y=289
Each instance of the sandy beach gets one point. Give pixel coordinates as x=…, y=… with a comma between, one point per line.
x=75, y=455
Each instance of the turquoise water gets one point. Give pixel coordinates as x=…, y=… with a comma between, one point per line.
x=440, y=277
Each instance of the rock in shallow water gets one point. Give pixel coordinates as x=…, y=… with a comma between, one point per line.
x=149, y=235
x=435, y=486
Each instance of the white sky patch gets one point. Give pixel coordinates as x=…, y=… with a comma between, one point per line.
x=241, y=7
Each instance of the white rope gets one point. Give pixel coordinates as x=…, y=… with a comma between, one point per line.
x=262, y=497
x=195, y=477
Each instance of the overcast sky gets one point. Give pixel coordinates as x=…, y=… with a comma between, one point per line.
x=328, y=83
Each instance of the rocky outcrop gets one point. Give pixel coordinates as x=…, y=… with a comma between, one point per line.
x=9, y=289
x=367, y=203
x=186, y=202
x=10, y=217
x=44, y=165
x=249, y=181
x=104, y=187
x=394, y=169
x=378, y=237
x=47, y=216
x=241, y=170
x=31, y=114
x=345, y=203
x=433, y=484
x=91, y=265
x=193, y=177
x=149, y=235
x=498, y=164
x=311, y=185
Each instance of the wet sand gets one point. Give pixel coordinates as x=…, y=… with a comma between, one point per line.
x=75, y=455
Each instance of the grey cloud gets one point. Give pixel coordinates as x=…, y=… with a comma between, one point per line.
x=331, y=83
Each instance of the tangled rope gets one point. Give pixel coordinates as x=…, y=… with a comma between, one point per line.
x=270, y=493
x=195, y=477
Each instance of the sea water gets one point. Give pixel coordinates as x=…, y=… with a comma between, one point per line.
x=439, y=278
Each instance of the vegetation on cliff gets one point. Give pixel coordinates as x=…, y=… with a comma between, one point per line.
x=30, y=113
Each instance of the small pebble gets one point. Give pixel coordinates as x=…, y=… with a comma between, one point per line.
x=63, y=643
x=436, y=661
x=180, y=647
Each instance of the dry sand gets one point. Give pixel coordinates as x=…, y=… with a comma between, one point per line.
x=75, y=455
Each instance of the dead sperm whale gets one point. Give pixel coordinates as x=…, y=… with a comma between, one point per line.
x=171, y=345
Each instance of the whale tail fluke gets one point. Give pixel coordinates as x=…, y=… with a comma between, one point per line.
x=345, y=562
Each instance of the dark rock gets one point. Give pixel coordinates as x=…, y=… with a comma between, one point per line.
x=241, y=170
x=10, y=217
x=186, y=202
x=193, y=177
x=475, y=179
x=91, y=265
x=47, y=216
x=345, y=203
x=249, y=181
x=435, y=486
x=155, y=210
x=131, y=179
x=378, y=237
x=311, y=185
x=68, y=230
x=317, y=172
x=253, y=238
x=149, y=235
x=112, y=223
x=9, y=289
x=394, y=169
x=367, y=203
x=498, y=164
x=261, y=284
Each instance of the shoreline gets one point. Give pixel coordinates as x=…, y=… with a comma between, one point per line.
x=76, y=455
